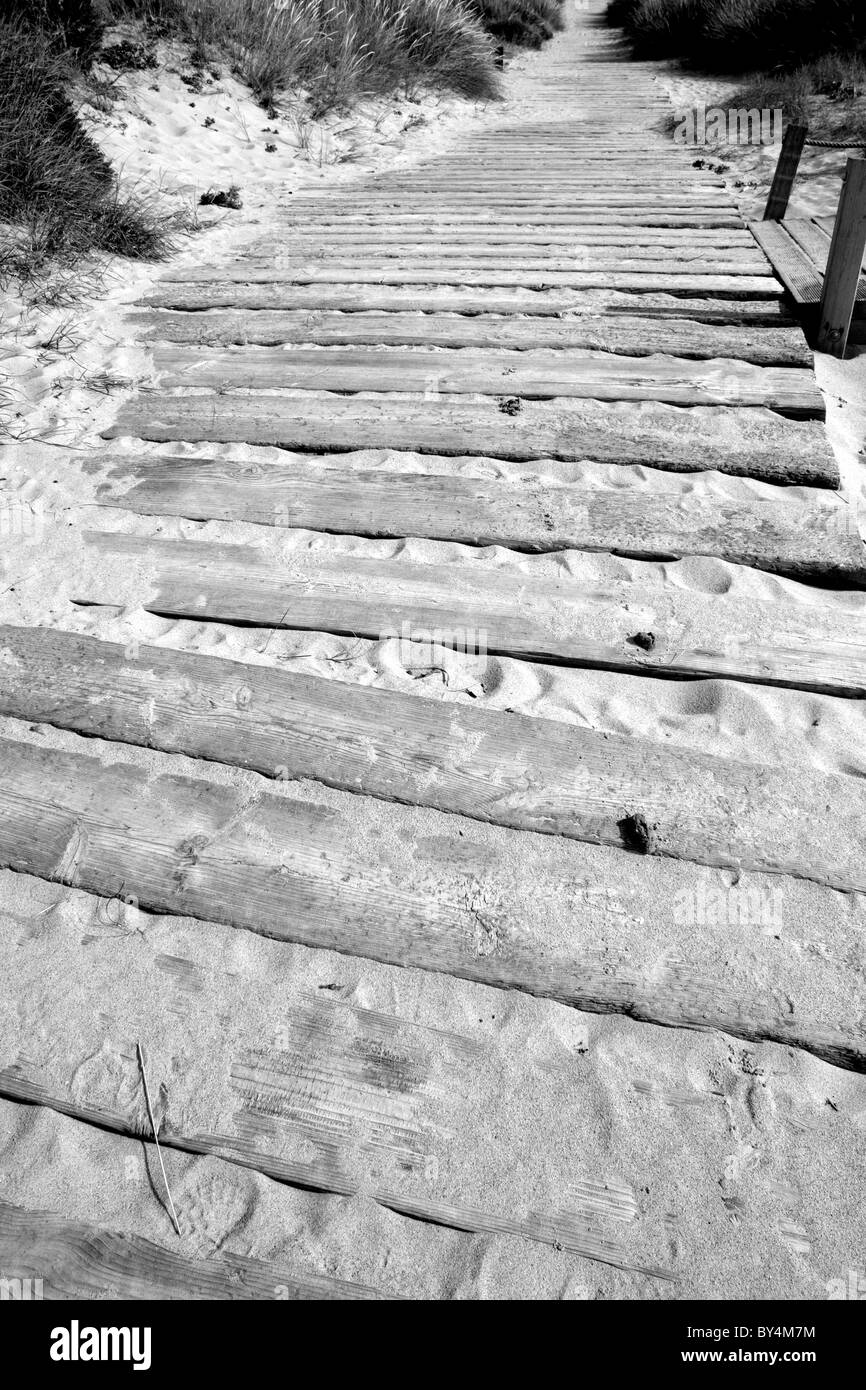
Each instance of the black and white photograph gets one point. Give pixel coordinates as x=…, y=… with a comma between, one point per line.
x=432, y=663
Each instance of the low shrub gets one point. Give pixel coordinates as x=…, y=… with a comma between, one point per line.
x=58, y=194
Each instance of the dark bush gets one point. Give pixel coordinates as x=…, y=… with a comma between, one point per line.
x=742, y=35
x=128, y=57
x=528, y=22
x=71, y=24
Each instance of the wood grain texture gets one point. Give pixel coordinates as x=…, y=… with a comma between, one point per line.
x=808, y=646
x=800, y=538
x=655, y=277
x=531, y=774
x=629, y=335
x=707, y=201
x=75, y=1259
x=472, y=255
x=843, y=283
x=518, y=216
x=768, y=313
x=339, y=1099
x=589, y=926
x=449, y=239
x=750, y=442
x=543, y=374
x=790, y=262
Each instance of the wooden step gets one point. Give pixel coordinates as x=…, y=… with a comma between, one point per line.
x=597, y=928
x=746, y=441
x=808, y=643
x=308, y=220
x=528, y=773
x=708, y=202
x=647, y=276
x=663, y=260
x=769, y=312
x=797, y=538
x=816, y=244
x=79, y=1260
x=543, y=373
x=322, y=1094
x=517, y=237
x=789, y=261
x=629, y=335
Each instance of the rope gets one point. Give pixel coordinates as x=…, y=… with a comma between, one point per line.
x=837, y=145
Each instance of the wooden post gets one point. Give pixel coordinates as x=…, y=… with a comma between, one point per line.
x=786, y=171
x=844, y=263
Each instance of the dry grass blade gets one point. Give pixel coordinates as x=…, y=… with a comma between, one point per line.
x=150, y=1116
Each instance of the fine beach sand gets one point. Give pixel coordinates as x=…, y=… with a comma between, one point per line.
x=738, y=1168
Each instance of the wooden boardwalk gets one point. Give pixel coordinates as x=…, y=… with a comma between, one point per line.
x=798, y=248
x=564, y=287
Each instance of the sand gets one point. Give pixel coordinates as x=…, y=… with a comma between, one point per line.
x=737, y=1168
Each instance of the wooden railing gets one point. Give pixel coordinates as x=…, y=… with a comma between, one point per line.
x=848, y=243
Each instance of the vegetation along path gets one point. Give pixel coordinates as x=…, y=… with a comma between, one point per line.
x=464, y=599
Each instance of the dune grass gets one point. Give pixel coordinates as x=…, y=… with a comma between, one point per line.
x=58, y=194
x=76, y=26
x=743, y=35
x=335, y=50
x=806, y=58
x=528, y=22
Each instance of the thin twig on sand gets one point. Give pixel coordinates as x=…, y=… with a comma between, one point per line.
x=155, y=1136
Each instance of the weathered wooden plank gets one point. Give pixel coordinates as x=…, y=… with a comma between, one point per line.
x=596, y=928
x=665, y=1089
x=629, y=335
x=542, y=373
x=317, y=1087
x=706, y=201
x=773, y=642
x=786, y=171
x=347, y=1100
x=745, y=441
x=474, y=224
x=769, y=312
x=843, y=284
x=789, y=261
x=788, y=538
x=650, y=277
x=531, y=774
x=522, y=216
x=559, y=259
x=811, y=238
x=528, y=179
x=74, y=1259
x=527, y=185
x=816, y=243
x=424, y=238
